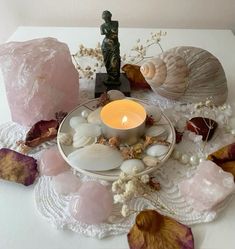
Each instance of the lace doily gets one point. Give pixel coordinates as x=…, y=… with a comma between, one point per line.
x=54, y=207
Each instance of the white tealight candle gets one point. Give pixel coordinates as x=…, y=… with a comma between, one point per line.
x=124, y=119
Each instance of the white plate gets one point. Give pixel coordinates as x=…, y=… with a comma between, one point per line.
x=110, y=175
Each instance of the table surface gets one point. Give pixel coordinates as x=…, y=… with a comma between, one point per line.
x=23, y=227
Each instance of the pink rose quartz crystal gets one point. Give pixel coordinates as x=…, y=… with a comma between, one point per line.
x=52, y=163
x=40, y=79
x=208, y=187
x=93, y=203
x=66, y=183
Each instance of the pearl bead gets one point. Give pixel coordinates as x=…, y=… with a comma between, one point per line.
x=176, y=154
x=232, y=132
x=202, y=159
x=194, y=160
x=84, y=114
x=184, y=159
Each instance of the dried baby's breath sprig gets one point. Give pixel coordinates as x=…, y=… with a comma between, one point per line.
x=139, y=51
x=96, y=61
x=114, y=142
x=128, y=187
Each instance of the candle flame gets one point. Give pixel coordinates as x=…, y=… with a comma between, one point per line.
x=124, y=120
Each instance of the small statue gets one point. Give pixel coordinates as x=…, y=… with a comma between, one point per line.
x=110, y=49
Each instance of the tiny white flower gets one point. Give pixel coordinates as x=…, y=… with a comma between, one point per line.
x=115, y=187
x=130, y=186
x=144, y=178
x=125, y=210
x=118, y=198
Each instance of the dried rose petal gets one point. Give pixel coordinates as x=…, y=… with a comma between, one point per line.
x=103, y=99
x=178, y=136
x=135, y=77
x=41, y=132
x=225, y=158
x=17, y=167
x=202, y=126
x=155, y=231
x=149, y=120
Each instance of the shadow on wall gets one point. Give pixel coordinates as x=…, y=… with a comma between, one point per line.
x=215, y=14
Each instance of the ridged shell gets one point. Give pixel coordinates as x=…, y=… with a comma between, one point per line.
x=188, y=74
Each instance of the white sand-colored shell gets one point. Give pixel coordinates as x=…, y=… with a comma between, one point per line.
x=94, y=116
x=188, y=74
x=157, y=150
x=154, y=111
x=76, y=121
x=115, y=95
x=88, y=130
x=151, y=161
x=79, y=141
x=96, y=157
x=156, y=131
x=65, y=138
x=132, y=166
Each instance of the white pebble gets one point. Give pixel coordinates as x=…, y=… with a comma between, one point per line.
x=75, y=121
x=132, y=166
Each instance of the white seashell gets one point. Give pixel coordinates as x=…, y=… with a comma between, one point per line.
x=157, y=150
x=95, y=157
x=88, y=130
x=188, y=74
x=65, y=138
x=151, y=161
x=115, y=95
x=132, y=166
x=75, y=121
x=156, y=131
x=94, y=116
x=154, y=111
x=79, y=141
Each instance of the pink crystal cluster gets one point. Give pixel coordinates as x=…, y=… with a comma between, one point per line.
x=40, y=79
x=208, y=187
x=91, y=202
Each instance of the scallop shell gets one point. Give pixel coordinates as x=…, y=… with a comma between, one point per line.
x=188, y=74
x=65, y=138
x=79, y=141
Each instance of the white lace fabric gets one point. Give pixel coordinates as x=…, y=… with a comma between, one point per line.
x=54, y=207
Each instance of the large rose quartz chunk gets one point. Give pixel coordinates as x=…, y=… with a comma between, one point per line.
x=52, y=163
x=93, y=204
x=208, y=187
x=40, y=79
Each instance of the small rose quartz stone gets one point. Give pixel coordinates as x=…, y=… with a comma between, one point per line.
x=40, y=79
x=66, y=183
x=52, y=163
x=208, y=187
x=93, y=204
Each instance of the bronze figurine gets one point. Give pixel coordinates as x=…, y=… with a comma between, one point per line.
x=110, y=49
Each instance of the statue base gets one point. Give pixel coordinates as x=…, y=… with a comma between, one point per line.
x=100, y=86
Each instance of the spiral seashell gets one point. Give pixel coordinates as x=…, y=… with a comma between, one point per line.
x=188, y=74
x=65, y=138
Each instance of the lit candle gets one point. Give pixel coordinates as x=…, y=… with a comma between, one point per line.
x=124, y=119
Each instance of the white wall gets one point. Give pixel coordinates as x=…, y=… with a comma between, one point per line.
x=218, y=14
